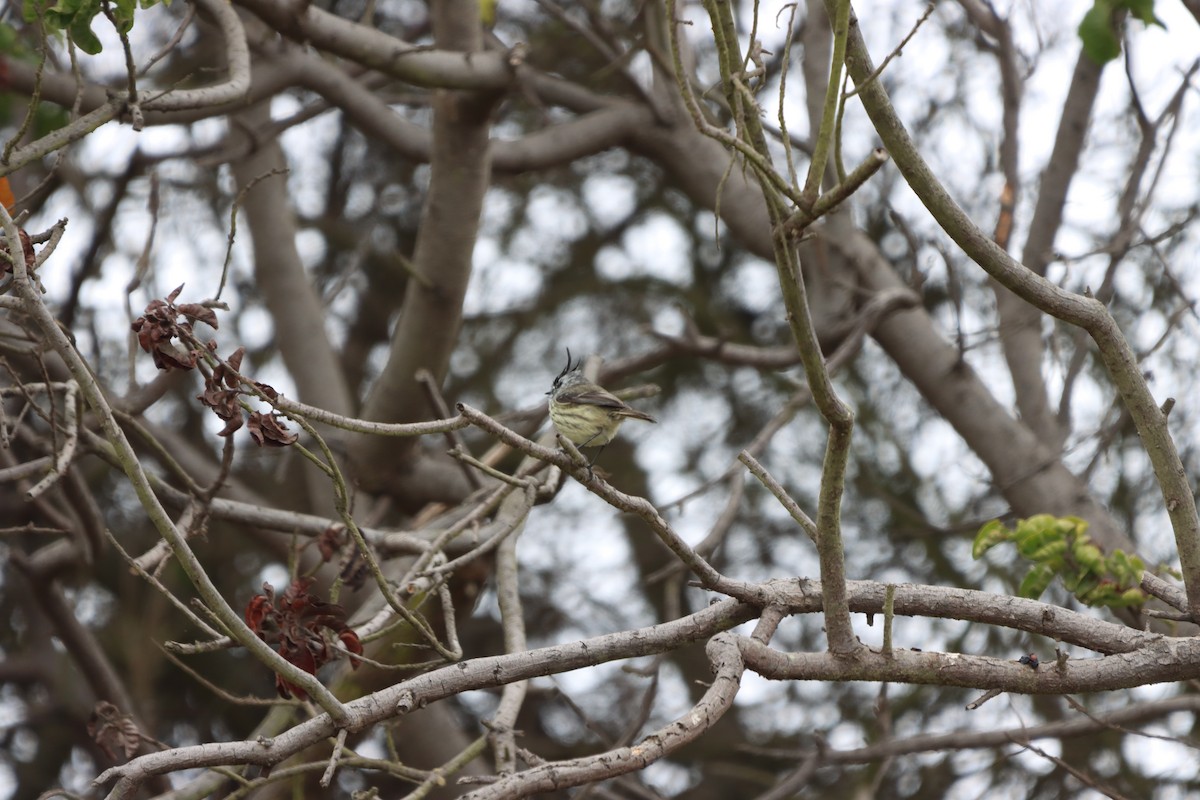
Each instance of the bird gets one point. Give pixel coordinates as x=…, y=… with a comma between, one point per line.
x=584, y=412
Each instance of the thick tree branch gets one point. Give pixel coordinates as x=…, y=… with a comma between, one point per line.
x=287, y=290
x=1139, y=658
x=431, y=314
x=450, y=66
x=1166, y=661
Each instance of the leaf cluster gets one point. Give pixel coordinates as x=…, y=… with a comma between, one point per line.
x=1100, y=30
x=75, y=17
x=163, y=322
x=1060, y=546
x=296, y=623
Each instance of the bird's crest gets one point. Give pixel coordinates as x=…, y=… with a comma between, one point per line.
x=567, y=368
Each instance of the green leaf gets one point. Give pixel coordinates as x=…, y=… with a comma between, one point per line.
x=1130, y=597
x=990, y=535
x=1083, y=585
x=1074, y=524
x=1126, y=569
x=1036, y=581
x=1144, y=11
x=1032, y=539
x=1100, y=33
x=1100, y=41
x=1098, y=595
x=10, y=41
x=123, y=14
x=82, y=36
x=76, y=18
x=1088, y=555
x=1038, y=522
x=1110, y=595
x=1049, y=554
x=64, y=13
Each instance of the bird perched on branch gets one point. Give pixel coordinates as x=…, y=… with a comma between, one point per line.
x=586, y=413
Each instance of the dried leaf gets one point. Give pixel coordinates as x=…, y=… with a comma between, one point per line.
x=199, y=313
x=352, y=643
x=223, y=402
x=268, y=431
x=296, y=623
x=26, y=248
x=330, y=541
x=235, y=360
x=167, y=357
x=114, y=731
x=160, y=325
x=256, y=611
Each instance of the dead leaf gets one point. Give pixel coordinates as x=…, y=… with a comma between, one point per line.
x=295, y=625
x=268, y=431
x=114, y=731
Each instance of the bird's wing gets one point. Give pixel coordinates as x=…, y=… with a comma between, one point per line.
x=593, y=397
x=604, y=399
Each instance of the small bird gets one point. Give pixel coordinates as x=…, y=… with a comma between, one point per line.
x=585, y=413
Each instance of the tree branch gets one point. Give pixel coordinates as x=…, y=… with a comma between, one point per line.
x=1085, y=312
